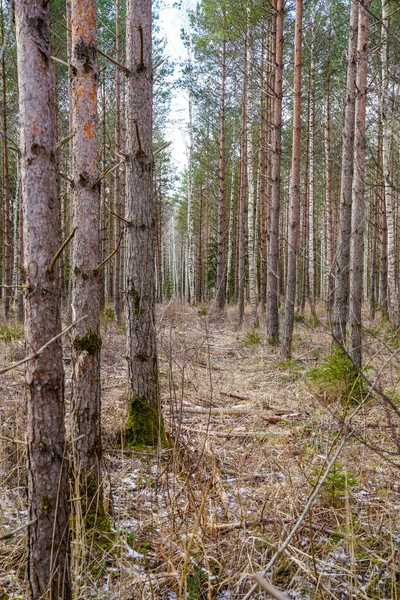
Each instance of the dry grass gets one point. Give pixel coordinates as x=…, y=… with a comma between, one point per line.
x=195, y=520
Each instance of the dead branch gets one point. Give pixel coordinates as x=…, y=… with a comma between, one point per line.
x=270, y=589
x=108, y=171
x=7, y=536
x=38, y=352
x=58, y=60
x=64, y=176
x=61, y=248
x=113, y=61
x=236, y=396
x=303, y=515
x=64, y=140
x=112, y=253
x=161, y=148
x=140, y=149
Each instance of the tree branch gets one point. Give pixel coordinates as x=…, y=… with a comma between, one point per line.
x=109, y=170
x=61, y=248
x=116, y=63
x=38, y=352
x=7, y=536
x=110, y=255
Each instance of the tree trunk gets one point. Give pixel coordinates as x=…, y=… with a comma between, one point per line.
x=199, y=275
x=86, y=396
x=387, y=121
x=357, y=214
x=47, y=562
x=145, y=426
x=250, y=183
x=273, y=278
x=294, y=206
x=343, y=249
x=242, y=210
x=6, y=188
x=117, y=202
x=312, y=287
x=221, y=233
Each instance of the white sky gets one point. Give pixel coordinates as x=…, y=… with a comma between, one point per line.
x=171, y=21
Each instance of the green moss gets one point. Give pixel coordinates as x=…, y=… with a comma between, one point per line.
x=136, y=304
x=145, y=425
x=46, y=503
x=90, y=342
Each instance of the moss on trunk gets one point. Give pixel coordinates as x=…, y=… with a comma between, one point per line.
x=145, y=426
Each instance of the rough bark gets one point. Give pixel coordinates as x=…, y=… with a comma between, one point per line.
x=47, y=562
x=251, y=222
x=6, y=189
x=343, y=250
x=294, y=205
x=387, y=121
x=144, y=417
x=242, y=210
x=358, y=210
x=86, y=344
x=273, y=264
x=312, y=287
x=117, y=202
x=221, y=233
x=199, y=263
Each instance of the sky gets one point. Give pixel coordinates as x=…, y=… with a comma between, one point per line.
x=171, y=21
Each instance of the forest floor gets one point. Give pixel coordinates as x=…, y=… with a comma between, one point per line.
x=249, y=436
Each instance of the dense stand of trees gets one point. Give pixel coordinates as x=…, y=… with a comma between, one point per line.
x=290, y=197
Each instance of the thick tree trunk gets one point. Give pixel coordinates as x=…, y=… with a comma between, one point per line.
x=357, y=214
x=86, y=344
x=273, y=267
x=294, y=206
x=47, y=562
x=221, y=233
x=343, y=250
x=144, y=416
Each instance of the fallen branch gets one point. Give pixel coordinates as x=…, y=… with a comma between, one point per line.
x=303, y=515
x=270, y=589
x=256, y=434
x=42, y=349
x=236, y=396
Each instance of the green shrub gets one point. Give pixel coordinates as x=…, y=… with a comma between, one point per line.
x=252, y=338
x=336, y=376
x=299, y=318
x=8, y=333
x=203, y=311
x=110, y=314
x=337, y=482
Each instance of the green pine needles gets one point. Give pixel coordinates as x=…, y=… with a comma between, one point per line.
x=337, y=377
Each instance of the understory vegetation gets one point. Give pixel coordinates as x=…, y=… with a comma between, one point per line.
x=248, y=437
